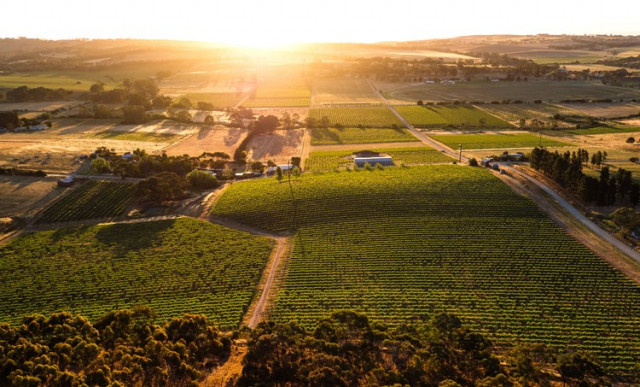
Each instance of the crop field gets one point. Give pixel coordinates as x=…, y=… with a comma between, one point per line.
x=279, y=146
x=219, y=100
x=404, y=243
x=173, y=266
x=343, y=91
x=604, y=130
x=329, y=160
x=285, y=92
x=514, y=112
x=370, y=116
x=455, y=116
x=604, y=110
x=526, y=91
x=331, y=136
x=94, y=199
x=137, y=136
x=209, y=139
x=496, y=141
x=52, y=80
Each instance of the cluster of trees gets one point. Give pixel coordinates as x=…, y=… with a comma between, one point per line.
x=566, y=170
x=162, y=187
x=38, y=94
x=125, y=347
x=142, y=164
x=22, y=172
x=347, y=350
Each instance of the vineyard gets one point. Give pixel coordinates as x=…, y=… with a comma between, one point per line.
x=369, y=116
x=219, y=100
x=405, y=243
x=329, y=160
x=453, y=116
x=286, y=92
x=496, y=141
x=173, y=266
x=331, y=136
x=94, y=199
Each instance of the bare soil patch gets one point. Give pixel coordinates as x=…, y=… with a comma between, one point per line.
x=19, y=194
x=209, y=139
x=279, y=146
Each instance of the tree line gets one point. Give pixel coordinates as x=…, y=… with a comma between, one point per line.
x=566, y=170
x=129, y=347
x=37, y=94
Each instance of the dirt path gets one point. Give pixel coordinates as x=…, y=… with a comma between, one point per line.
x=306, y=148
x=229, y=372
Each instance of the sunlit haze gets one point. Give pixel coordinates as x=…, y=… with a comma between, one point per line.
x=268, y=23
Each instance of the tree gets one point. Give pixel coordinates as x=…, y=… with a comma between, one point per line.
x=201, y=179
x=265, y=124
x=295, y=161
x=97, y=87
x=183, y=116
x=631, y=140
x=134, y=115
x=161, y=187
x=100, y=165
x=161, y=102
x=577, y=367
x=473, y=162
x=279, y=173
x=634, y=194
x=257, y=166
x=209, y=120
x=205, y=106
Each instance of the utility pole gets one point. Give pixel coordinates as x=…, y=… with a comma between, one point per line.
x=460, y=153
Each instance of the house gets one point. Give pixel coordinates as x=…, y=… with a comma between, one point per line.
x=447, y=82
x=382, y=160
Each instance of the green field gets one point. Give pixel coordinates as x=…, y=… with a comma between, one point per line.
x=219, y=100
x=173, y=266
x=603, y=130
x=280, y=93
x=496, y=141
x=94, y=199
x=330, y=160
x=526, y=91
x=373, y=117
x=136, y=136
x=405, y=243
x=331, y=136
x=455, y=116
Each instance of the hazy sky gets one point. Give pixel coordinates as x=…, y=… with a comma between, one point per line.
x=285, y=21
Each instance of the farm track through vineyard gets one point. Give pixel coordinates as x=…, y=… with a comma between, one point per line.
x=401, y=244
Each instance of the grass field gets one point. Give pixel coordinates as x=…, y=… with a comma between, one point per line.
x=94, y=199
x=330, y=136
x=514, y=112
x=527, y=91
x=137, y=136
x=173, y=266
x=604, y=110
x=342, y=91
x=456, y=116
x=496, y=141
x=405, y=243
x=329, y=160
x=285, y=92
x=370, y=116
x=219, y=100
x=20, y=193
x=603, y=130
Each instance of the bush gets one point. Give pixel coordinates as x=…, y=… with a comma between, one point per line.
x=631, y=140
x=473, y=162
x=201, y=179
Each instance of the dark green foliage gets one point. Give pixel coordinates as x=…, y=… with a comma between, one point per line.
x=125, y=347
x=38, y=94
x=22, y=172
x=162, y=186
x=7, y=118
x=201, y=180
x=346, y=350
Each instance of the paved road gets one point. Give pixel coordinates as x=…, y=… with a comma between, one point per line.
x=578, y=215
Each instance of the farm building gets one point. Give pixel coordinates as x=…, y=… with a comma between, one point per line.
x=382, y=160
x=67, y=181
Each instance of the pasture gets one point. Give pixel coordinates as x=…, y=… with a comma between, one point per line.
x=405, y=243
x=332, y=136
x=367, y=116
x=279, y=92
x=452, y=116
x=497, y=141
x=19, y=194
x=604, y=110
x=526, y=91
x=337, y=159
x=175, y=267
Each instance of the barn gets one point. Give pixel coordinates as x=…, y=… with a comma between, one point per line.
x=382, y=160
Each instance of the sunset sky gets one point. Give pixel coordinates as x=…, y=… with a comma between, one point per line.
x=264, y=23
